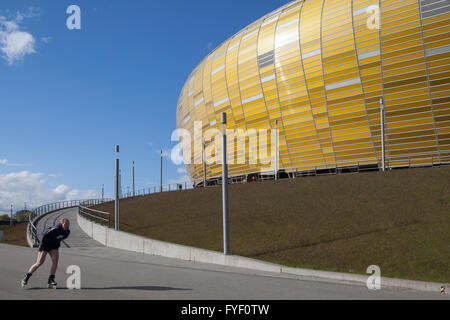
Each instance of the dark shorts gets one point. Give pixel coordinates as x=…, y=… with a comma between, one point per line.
x=47, y=248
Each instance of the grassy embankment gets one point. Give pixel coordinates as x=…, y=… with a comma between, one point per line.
x=16, y=235
x=398, y=220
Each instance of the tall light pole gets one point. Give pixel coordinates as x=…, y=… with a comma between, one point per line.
x=383, y=163
x=10, y=218
x=116, y=226
x=120, y=184
x=134, y=193
x=160, y=171
x=103, y=192
x=204, y=163
x=226, y=243
x=276, y=149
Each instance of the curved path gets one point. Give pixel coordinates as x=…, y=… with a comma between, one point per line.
x=77, y=238
x=108, y=273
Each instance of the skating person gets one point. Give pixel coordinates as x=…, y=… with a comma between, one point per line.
x=50, y=243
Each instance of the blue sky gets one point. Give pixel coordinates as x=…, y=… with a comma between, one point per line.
x=67, y=97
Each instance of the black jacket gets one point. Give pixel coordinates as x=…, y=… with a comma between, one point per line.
x=52, y=237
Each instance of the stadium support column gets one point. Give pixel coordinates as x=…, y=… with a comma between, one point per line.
x=226, y=244
x=117, y=191
x=383, y=163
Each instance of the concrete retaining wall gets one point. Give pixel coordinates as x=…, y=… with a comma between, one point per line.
x=126, y=241
x=2, y=236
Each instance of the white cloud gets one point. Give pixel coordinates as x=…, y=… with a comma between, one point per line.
x=181, y=179
x=32, y=12
x=52, y=175
x=16, y=46
x=10, y=164
x=3, y=161
x=15, y=43
x=181, y=170
x=46, y=40
x=165, y=153
x=19, y=187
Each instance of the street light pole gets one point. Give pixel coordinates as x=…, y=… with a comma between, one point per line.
x=204, y=163
x=276, y=149
x=134, y=193
x=160, y=171
x=10, y=218
x=117, y=191
x=226, y=244
x=383, y=163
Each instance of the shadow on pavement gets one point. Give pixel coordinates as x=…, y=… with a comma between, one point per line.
x=147, y=288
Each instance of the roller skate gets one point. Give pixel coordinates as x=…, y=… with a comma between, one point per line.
x=51, y=282
x=25, y=280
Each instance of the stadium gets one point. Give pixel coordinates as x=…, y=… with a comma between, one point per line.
x=316, y=70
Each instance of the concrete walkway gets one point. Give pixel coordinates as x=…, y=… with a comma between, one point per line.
x=108, y=273
x=77, y=238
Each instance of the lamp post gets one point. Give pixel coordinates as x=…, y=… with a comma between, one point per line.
x=276, y=149
x=117, y=191
x=383, y=163
x=134, y=192
x=204, y=163
x=226, y=244
x=160, y=171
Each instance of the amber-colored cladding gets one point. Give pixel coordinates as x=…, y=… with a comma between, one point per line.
x=320, y=67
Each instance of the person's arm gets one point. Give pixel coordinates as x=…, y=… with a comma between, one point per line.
x=49, y=232
x=67, y=235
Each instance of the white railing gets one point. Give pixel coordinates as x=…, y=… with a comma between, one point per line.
x=157, y=189
x=36, y=213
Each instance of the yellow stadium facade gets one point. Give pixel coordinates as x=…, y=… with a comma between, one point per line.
x=319, y=68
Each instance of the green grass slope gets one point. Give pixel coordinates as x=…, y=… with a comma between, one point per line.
x=16, y=235
x=398, y=220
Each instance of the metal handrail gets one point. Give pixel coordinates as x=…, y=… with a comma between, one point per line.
x=394, y=162
x=157, y=189
x=47, y=208
x=85, y=211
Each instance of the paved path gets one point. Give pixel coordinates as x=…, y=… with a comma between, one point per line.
x=77, y=238
x=108, y=273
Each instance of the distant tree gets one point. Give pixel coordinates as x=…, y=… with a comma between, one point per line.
x=4, y=217
x=22, y=215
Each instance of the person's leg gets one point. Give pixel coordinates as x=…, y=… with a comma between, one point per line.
x=54, y=255
x=40, y=260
